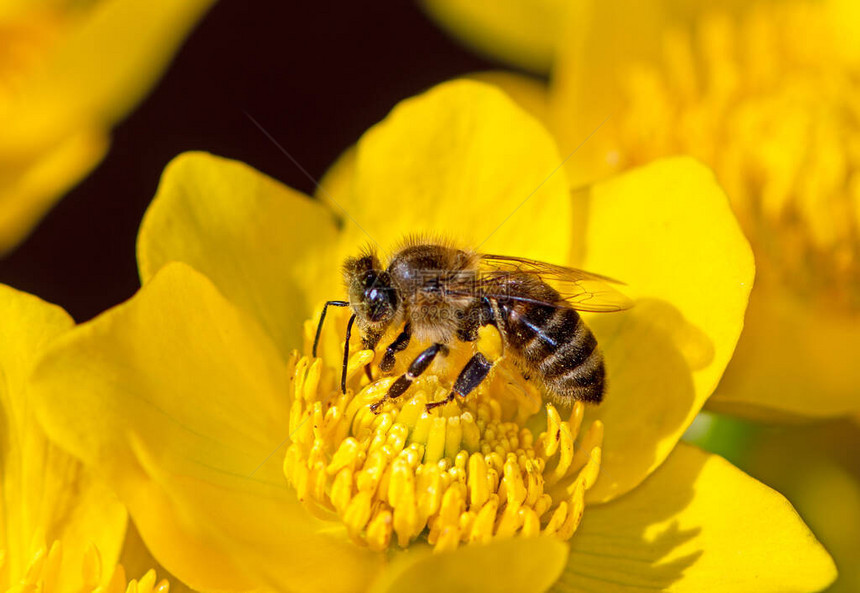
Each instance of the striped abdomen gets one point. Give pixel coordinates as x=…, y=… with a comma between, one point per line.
x=554, y=344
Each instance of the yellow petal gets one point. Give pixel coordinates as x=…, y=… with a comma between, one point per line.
x=182, y=401
x=522, y=33
x=98, y=71
x=697, y=525
x=464, y=162
x=45, y=494
x=55, y=124
x=667, y=231
x=813, y=466
x=29, y=326
x=844, y=18
x=596, y=38
x=813, y=349
x=520, y=565
x=532, y=94
x=261, y=243
x=28, y=191
x=601, y=42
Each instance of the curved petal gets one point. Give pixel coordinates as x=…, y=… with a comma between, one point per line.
x=97, y=72
x=519, y=565
x=844, y=19
x=815, y=467
x=183, y=402
x=697, y=525
x=461, y=161
x=522, y=33
x=45, y=494
x=602, y=44
x=598, y=39
x=261, y=243
x=667, y=231
x=29, y=326
x=532, y=94
x=614, y=49
x=29, y=190
x=55, y=129
x=814, y=350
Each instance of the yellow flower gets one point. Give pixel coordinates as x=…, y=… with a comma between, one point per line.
x=766, y=94
x=814, y=465
x=521, y=32
x=191, y=399
x=61, y=529
x=68, y=72
x=772, y=107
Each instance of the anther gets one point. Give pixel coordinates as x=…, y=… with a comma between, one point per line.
x=469, y=472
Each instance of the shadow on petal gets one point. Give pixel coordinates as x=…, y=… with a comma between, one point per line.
x=692, y=263
x=650, y=351
x=648, y=570
x=638, y=550
x=698, y=524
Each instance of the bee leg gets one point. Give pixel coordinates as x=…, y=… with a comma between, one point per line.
x=346, y=353
x=322, y=318
x=400, y=343
x=418, y=366
x=475, y=371
x=369, y=342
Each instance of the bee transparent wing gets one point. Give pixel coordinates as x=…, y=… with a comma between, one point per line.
x=583, y=291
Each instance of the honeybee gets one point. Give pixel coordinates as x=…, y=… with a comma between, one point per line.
x=438, y=293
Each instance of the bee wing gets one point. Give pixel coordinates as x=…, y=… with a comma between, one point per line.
x=583, y=291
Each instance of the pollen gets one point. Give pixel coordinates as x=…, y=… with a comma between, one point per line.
x=42, y=575
x=779, y=122
x=498, y=464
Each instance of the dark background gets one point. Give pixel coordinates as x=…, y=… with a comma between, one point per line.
x=314, y=75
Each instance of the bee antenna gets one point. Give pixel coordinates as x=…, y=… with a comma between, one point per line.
x=346, y=353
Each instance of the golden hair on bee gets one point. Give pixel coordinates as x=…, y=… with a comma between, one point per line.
x=436, y=292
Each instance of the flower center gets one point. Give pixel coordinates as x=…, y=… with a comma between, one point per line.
x=778, y=121
x=42, y=574
x=469, y=471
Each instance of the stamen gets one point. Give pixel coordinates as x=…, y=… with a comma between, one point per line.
x=778, y=121
x=42, y=574
x=466, y=472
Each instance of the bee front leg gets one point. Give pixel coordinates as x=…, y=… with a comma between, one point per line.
x=322, y=319
x=388, y=359
x=399, y=344
x=475, y=371
x=418, y=366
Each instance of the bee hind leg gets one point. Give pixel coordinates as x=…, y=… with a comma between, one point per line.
x=418, y=366
x=475, y=371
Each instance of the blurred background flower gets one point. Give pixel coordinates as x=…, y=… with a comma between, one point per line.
x=69, y=71
x=776, y=118
x=766, y=93
x=522, y=33
x=315, y=82
x=182, y=394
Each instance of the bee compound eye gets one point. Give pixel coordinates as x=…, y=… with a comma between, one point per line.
x=379, y=302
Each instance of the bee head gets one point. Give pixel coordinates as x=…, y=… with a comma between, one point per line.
x=371, y=294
